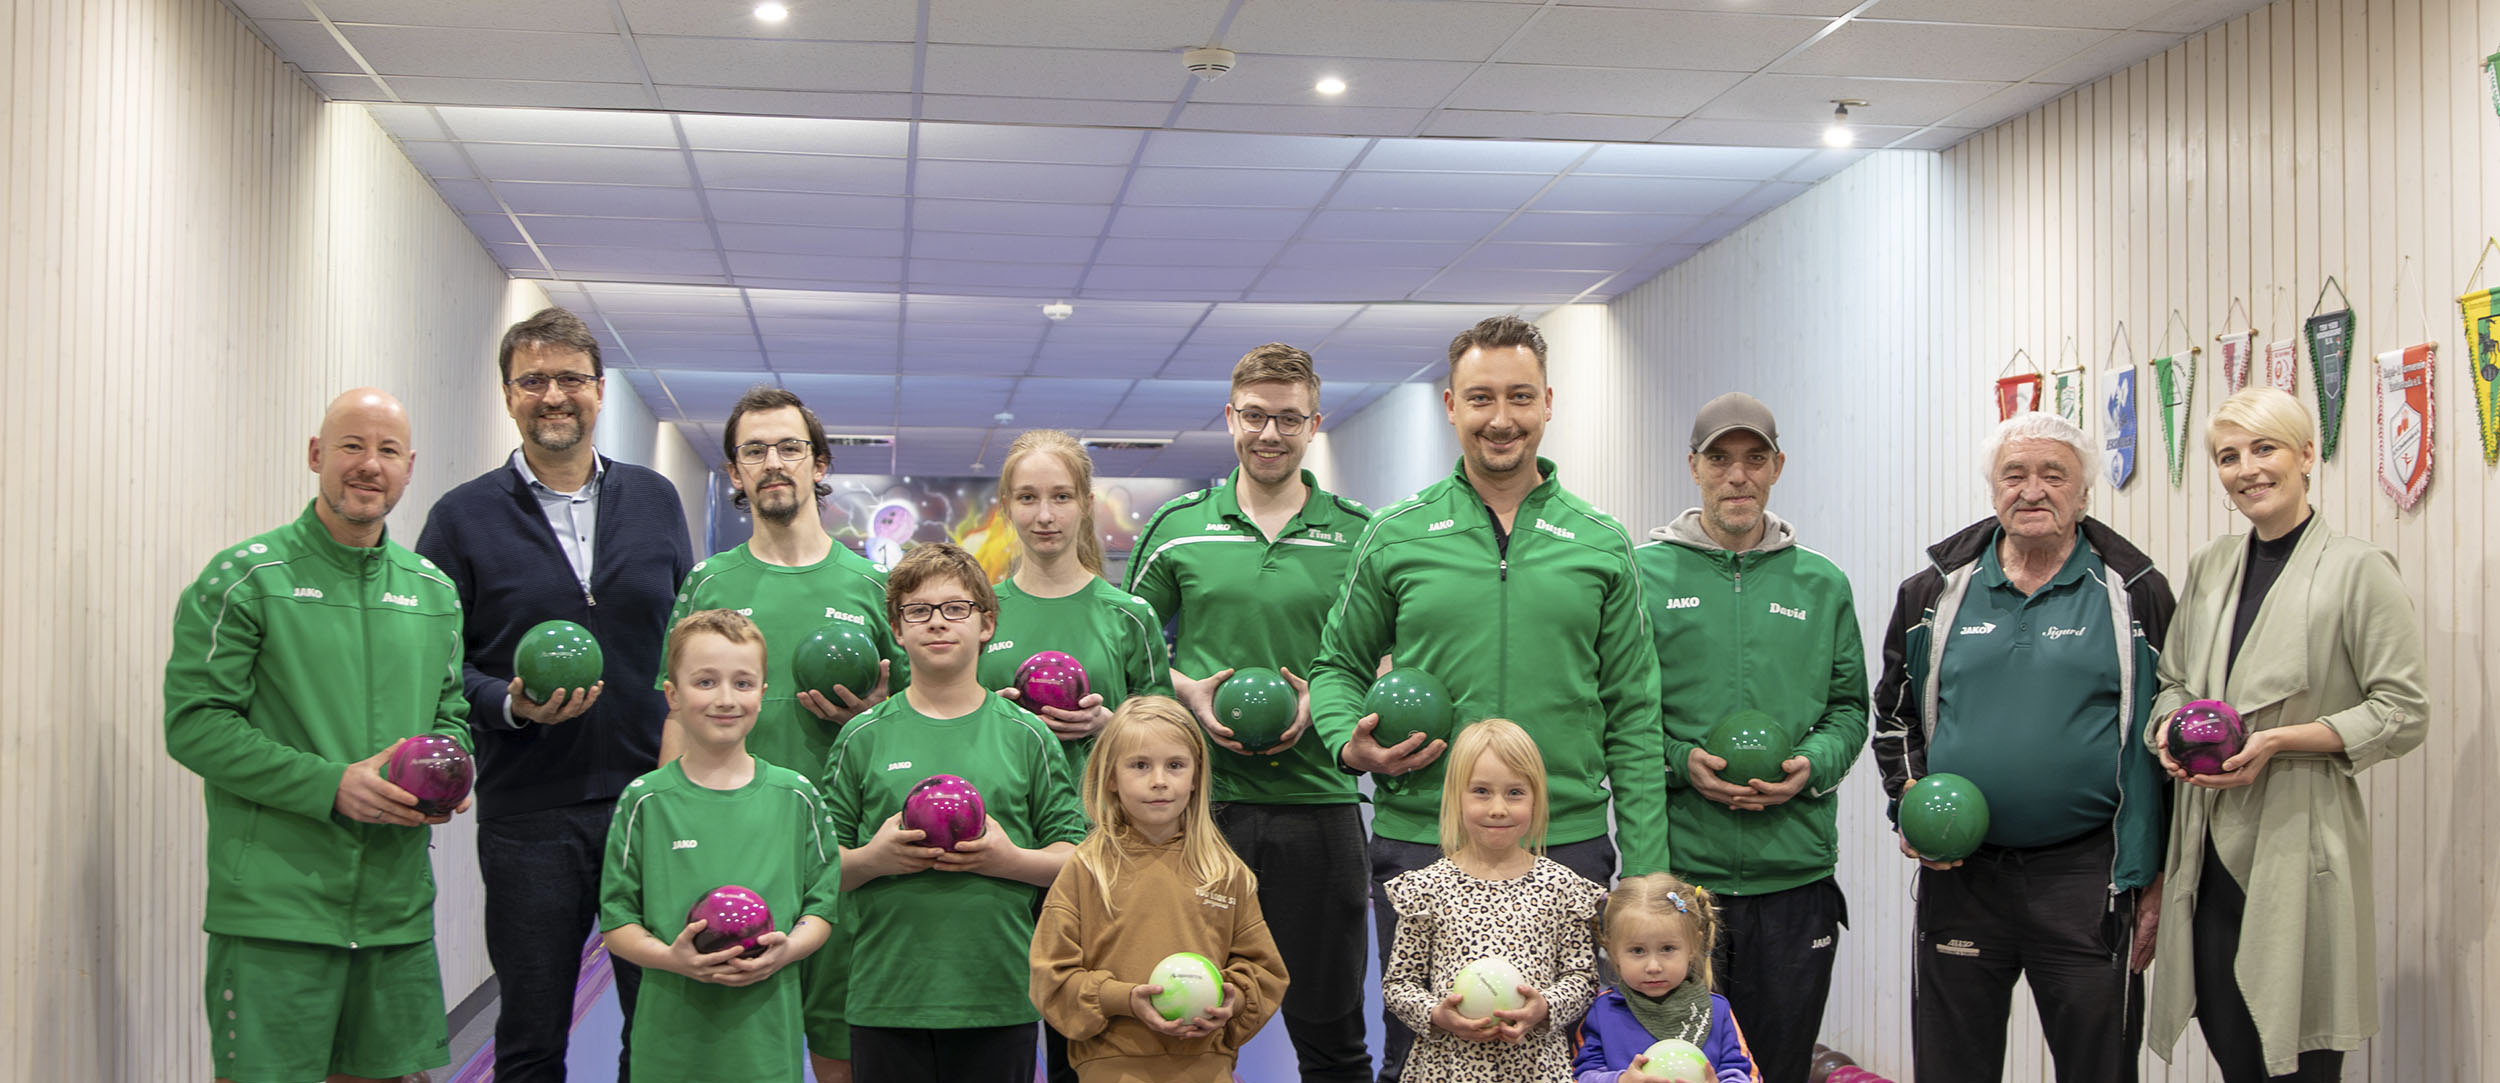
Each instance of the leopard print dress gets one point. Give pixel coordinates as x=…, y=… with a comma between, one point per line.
x=1543, y=922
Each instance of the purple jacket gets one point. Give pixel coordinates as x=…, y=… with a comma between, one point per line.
x=1609, y=1037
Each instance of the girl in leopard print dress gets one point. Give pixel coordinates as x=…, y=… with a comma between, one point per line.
x=1493, y=894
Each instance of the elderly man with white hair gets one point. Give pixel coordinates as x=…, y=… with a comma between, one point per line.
x=2023, y=659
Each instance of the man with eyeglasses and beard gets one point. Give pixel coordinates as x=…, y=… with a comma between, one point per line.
x=792, y=579
x=559, y=532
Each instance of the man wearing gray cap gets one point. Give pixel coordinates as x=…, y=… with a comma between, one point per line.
x=1747, y=622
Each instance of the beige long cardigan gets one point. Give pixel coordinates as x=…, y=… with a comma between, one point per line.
x=2334, y=641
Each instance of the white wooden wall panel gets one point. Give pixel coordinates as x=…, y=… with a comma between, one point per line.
x=2305, y=139
x=200, y=254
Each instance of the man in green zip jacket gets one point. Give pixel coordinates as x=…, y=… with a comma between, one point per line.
x=301, y=657
x=1748, y=620
x=1522, y=599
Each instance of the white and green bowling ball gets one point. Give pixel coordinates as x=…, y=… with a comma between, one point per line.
x=1191, y=986
x=1489, y=985
x=1678, y=1061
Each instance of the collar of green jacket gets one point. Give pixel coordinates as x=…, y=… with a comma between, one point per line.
x=1544, y=489
x=313, y=538
x=1319, y=506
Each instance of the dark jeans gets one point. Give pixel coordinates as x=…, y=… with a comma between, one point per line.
x=541, y=873
x=1593, y=858
x=2043, y=914
x=1774, y=966
x=2221, y=1009
x=960, y=1055
x=1310, y=863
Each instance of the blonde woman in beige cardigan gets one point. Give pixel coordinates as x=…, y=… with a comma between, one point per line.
x=2266, y=934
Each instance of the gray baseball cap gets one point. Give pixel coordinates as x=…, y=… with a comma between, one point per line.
x=1732, y=411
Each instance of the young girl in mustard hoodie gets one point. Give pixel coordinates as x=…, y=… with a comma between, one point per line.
x=1154, y=878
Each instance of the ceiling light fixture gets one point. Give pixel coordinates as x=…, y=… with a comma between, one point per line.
x=1058, y=310
x=771, y=12
x=1840, y=134
x=1331, y=86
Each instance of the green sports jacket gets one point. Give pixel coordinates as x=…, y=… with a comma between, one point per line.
x=294, y=656
x=1547, y=631
x=1773, y=629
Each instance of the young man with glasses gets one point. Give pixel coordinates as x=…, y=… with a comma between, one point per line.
x=792, y=579
x=1245, y=571
x=559, y=532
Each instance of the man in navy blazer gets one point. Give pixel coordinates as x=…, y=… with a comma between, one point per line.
x=557, y=532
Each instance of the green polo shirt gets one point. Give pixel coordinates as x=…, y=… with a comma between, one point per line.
x=1113, y=634
x=2027, y=701
x=1238, y=600
x=788, y=605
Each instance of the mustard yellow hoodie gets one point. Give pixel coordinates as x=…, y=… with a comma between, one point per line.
x=1086, y=960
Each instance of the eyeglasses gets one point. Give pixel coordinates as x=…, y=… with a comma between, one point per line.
x=788, y=451
x=954, y=612
x=1255, y=420
x=536, y=383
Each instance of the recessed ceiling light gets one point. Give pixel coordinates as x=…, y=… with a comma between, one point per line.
x=1331, y=85
x=771, y=12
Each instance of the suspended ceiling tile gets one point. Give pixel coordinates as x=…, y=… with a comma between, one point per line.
x=1064, y=146
x=1367, y=190
x=1018, y=181
x=306, y=43
x=1050, y=111
x=1600, y=258
x=1807, y=98
x=489, y=92
x=558, y=127
x=579, y=165
x=805, y=208
x=798, y=135
x=1530, y=124
x=1473, y=156
x=1188, y=253
x=2118, y=51
x=1675, y=194
x=1175, y=148
x=840, y=268
x=1000, y=247
x=457, y=53
x=484, y=14
x=1106, y=74
x=1745, y=163
x=865, y=108
x=598, y=200
x=1298, y=119
x=1203, y=279
x=841, y=174
x=1699, y=41
x=1293, y=80
x=735, y=18
x=751, y=237
x=2102, y=14
x=1626, y=228
x=1402, y=225
x=1151, y=186
x=1382, y=28
x=777, y=65
x=1352, y=254
x=979, y=216
x=658, y=233
x=1559, y=88
x=1074, y=24
x=2001, y=54
x=1224, y=223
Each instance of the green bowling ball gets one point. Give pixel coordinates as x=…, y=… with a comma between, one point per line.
x=838, y=653
x=1943, y=817
x=1258, y=705
x=1753, y=746
x=555, y=655
x=1410, y=701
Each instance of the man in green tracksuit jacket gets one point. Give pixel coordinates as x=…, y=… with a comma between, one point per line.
x=1748, y=620
x=301, y=657
x=1522, y=599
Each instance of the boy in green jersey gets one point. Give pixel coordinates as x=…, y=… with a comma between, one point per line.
x=938, y=966
x=716, y=816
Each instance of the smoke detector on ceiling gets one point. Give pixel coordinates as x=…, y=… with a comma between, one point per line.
x=1208, y=62
x=1058, y=310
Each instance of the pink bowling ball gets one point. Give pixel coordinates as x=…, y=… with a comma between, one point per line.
x=732, y=915
x=947, y=808
x=434, y=769
x=2204, y=733
x=1051, y=679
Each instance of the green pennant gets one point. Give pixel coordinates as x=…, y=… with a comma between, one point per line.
x=2330, y=359
x=2174, y=391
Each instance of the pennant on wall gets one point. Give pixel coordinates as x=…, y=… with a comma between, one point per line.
x=2283, y=365
x=2175, y=388
x=2120, y=438
x=2069, y=395
x=2491, y=78
x=2330, y=357
x=2404, y=423
x=2018, y=394
x=2482, y=355
x=2239, y=352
